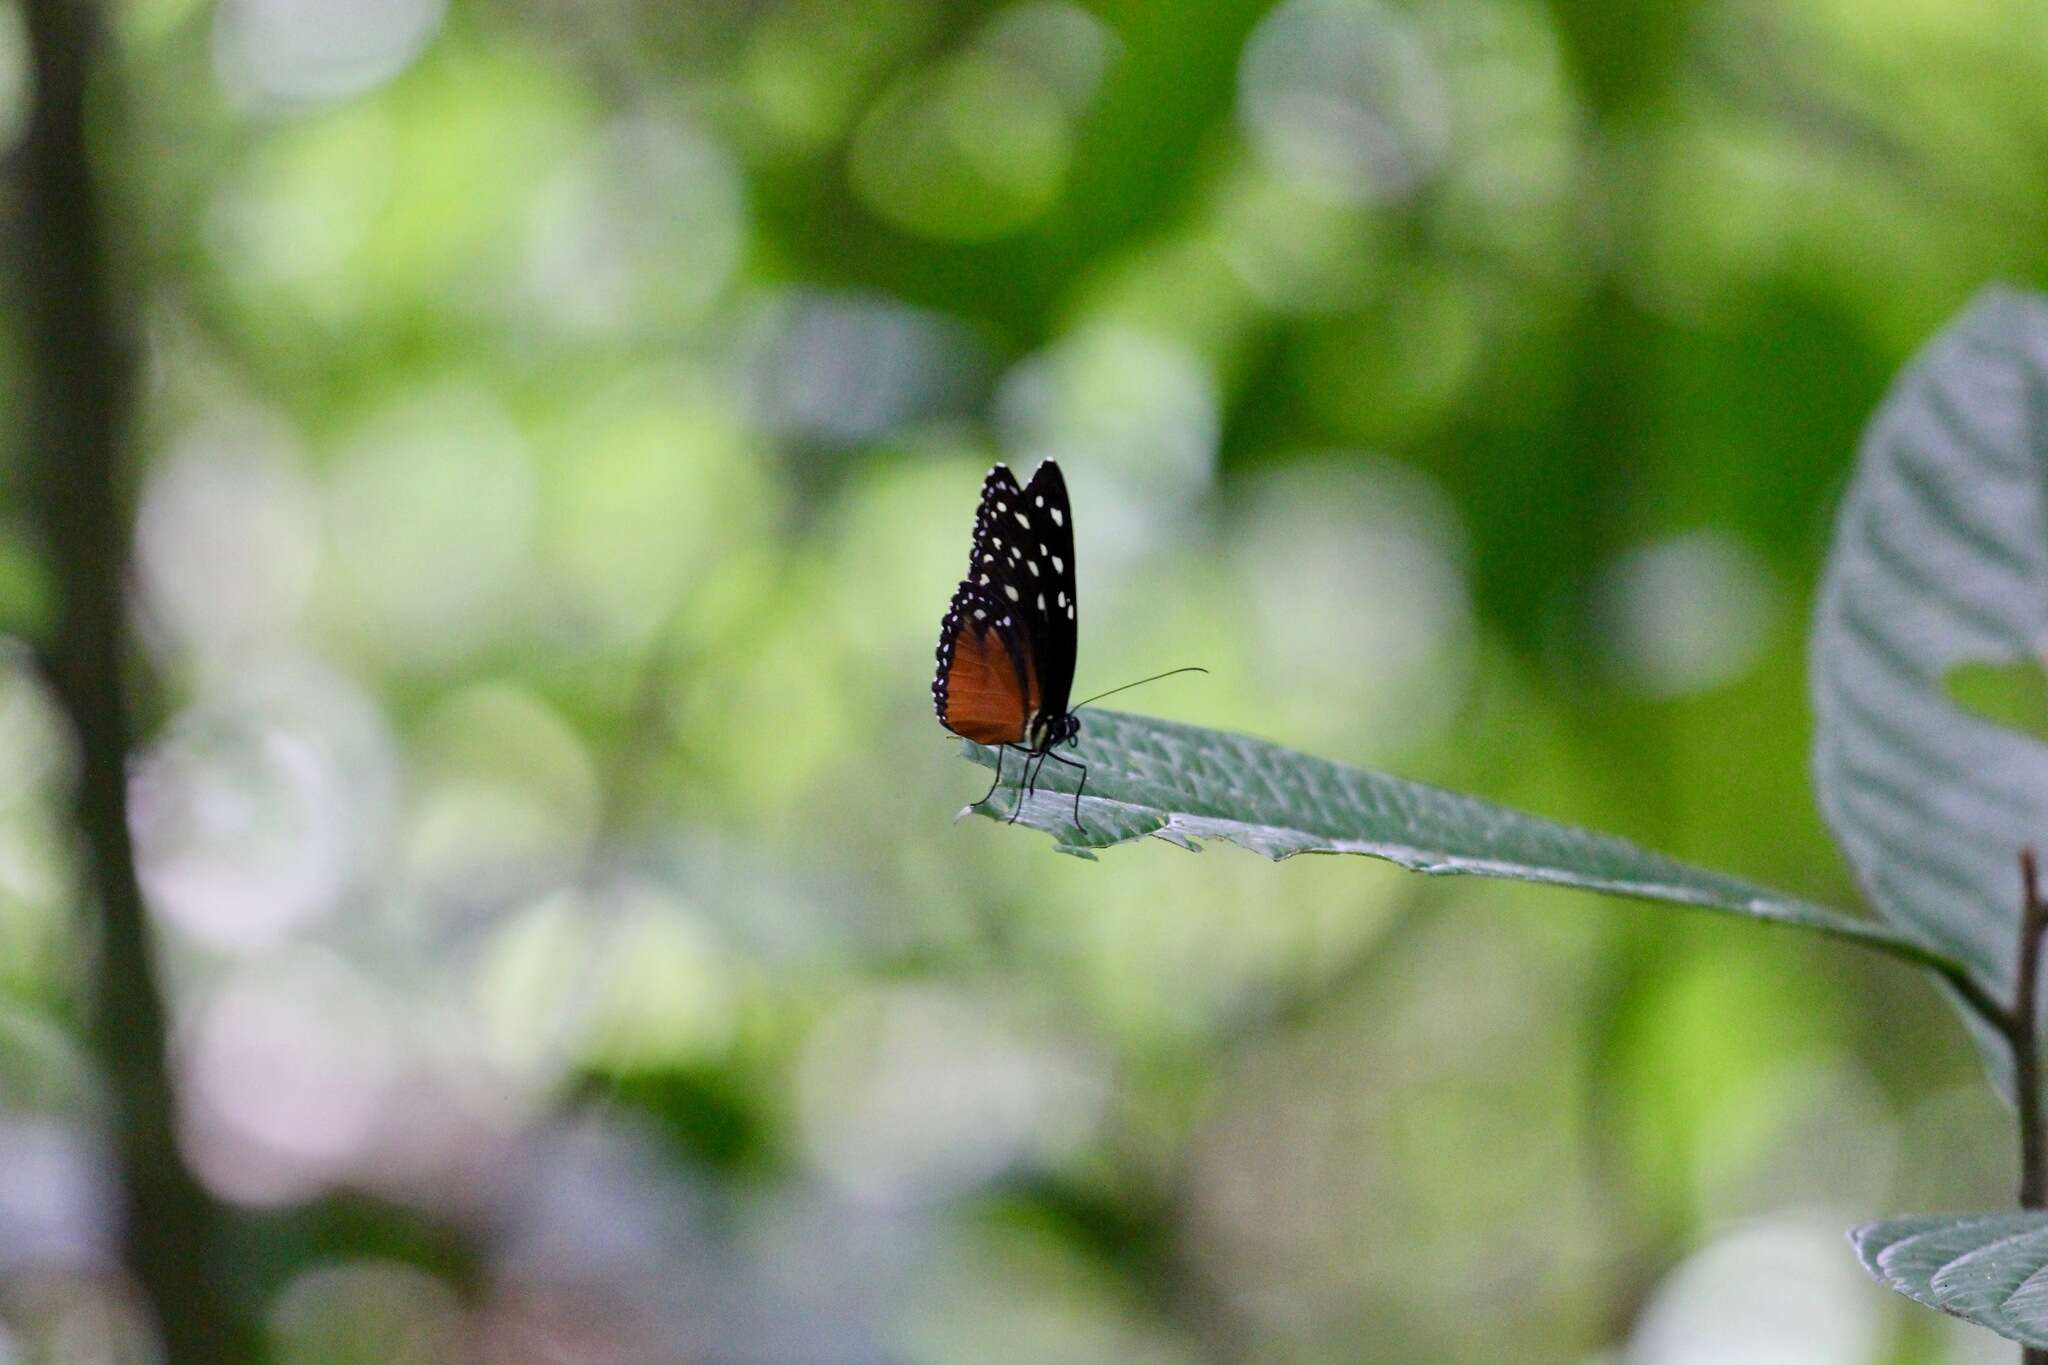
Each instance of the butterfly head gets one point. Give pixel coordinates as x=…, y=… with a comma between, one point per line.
x=1050, y=731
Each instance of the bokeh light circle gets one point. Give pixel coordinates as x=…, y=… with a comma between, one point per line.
x=1343, y=96
x=290, y=52
x=967, y=151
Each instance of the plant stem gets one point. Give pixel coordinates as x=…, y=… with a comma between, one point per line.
x=79, y=379
x=2023, y=1036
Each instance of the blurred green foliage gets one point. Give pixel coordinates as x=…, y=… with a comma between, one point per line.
x=561, y=435
x=2015, y=695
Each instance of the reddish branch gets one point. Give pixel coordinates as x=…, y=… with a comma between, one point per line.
x=2024, y=1034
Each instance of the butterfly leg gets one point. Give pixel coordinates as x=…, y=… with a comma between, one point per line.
x=1028, y=788
x=1070, y=763
x=1000, y=748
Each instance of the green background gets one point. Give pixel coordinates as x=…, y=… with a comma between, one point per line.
x=561, y=430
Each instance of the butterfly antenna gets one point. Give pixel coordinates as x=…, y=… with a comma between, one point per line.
x=1141, y=682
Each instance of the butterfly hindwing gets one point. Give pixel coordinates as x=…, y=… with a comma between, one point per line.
x=987, y=686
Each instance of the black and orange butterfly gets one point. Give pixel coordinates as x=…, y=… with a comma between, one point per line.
x=1006, y=647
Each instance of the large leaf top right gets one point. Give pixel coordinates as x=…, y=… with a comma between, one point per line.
x=1940, y=562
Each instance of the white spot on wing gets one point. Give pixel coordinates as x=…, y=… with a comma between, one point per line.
x=1058, y=565
x=984, y=580
x=1010, y=590
x=1032, y=565
x=1057, y=519
x=1041, y=601
x=1022, y=520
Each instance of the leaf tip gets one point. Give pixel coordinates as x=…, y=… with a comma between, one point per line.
x=1860, y=1238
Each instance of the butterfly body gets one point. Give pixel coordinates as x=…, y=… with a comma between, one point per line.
x=1006, y=647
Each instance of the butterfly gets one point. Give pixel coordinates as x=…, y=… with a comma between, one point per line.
x=1006, y=648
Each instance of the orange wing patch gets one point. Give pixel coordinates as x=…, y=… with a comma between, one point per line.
x=986, y=699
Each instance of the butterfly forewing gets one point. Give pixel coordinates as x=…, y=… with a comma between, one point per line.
x=999, y=493
x=1045, y=524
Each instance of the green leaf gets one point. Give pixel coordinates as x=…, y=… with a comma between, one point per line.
x=1986, y=1268
x=1183, y=784
x=1940, y=561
